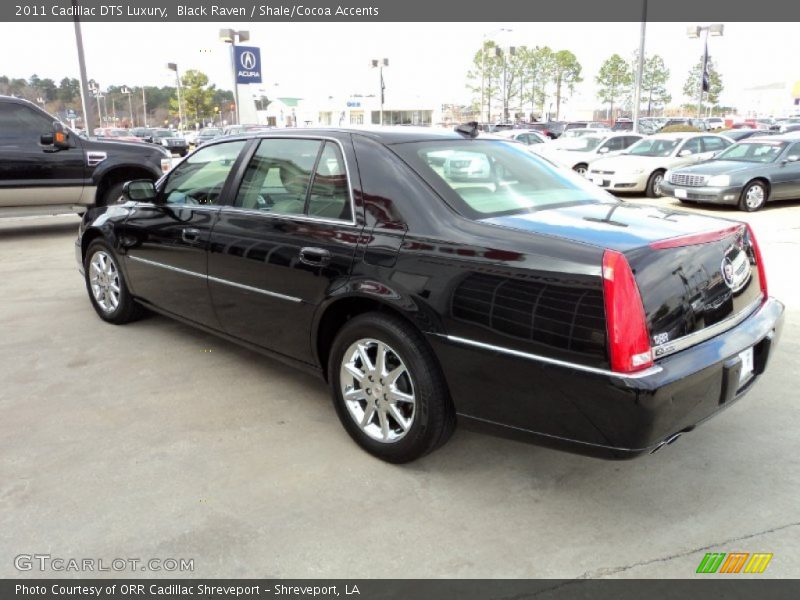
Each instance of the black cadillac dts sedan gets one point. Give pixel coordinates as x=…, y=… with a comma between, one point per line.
x=516, y=296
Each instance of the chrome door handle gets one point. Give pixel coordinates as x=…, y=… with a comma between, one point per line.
x=315, y=257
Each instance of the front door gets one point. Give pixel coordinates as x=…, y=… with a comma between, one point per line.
x=165, y=242
x=33, y=174
x=285, y=243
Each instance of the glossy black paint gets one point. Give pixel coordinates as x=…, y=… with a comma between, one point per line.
x=526, y=292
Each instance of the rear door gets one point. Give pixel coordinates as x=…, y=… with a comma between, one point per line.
x=32, y=174
x=165, y=243
x=286, y=242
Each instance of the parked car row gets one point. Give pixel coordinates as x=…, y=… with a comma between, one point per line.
x=745, y=168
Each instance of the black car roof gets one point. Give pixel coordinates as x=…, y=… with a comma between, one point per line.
x=385, y=135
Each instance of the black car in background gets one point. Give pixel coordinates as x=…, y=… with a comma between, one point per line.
x=45, y=168
x=521, y=298
x=171, y=140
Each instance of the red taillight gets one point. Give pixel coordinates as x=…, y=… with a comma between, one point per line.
x=695, y=238
x=628, y=339
x=762, y=273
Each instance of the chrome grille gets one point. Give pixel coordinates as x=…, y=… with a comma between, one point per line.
x=687, y=179
x=596, y=172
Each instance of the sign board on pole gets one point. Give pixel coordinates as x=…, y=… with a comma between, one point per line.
x=248, y=64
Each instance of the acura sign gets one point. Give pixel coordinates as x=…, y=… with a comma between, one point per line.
x=248, y=64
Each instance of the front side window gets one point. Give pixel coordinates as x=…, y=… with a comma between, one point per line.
x=199, y=179
x=297, y=177
x=483, y=178
x=693, y=146
x=21, y=122
x=713, y=144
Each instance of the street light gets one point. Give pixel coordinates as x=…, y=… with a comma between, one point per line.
x=379, y=64
x=500, y=52
x=483, y=71
x=694, y=32
x=230, y=36
x=637, y=90
x=94, y=88
x=174, y=67
x=127, y=91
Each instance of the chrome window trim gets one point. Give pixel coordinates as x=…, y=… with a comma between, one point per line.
x=215, y=279
x=304, y=217
x=682, y=343
x=551, y=361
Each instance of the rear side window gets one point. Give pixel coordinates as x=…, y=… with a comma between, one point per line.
x=21, y=122
x=296, y=177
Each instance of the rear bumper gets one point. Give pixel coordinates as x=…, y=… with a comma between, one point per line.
x=713, y=195
x=597, y=412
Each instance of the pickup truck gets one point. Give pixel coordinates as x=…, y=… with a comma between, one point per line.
x=45, y=168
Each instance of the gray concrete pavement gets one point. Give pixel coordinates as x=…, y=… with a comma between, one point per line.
x=154, y=440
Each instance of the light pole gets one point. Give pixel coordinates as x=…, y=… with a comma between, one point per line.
x=637, y=91
x=695, y=31
x=144, y=108
x=500, y=52
x=483, y=72
x=231, y=36
x=174, y=67
x=94, y=88
x=379, y=64
x=87, y=118
x=126, y=90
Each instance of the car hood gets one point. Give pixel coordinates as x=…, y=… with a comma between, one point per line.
x=722, y=167
x=629, y=162
x=616, y=225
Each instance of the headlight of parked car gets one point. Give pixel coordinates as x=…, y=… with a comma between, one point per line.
x=720, y=180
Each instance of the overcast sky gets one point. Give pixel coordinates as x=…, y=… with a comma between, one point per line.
x=315, y=60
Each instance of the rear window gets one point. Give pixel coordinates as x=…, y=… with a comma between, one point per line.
x=484, y=179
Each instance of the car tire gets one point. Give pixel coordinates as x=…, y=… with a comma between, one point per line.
x=581, y=169
x=396, y=420
x=112, y=195
x=653, y=189
x=754, y=196
x=106, y=285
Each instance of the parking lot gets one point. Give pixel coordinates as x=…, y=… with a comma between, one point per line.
x=156, y=440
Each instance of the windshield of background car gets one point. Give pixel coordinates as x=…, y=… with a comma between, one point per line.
x=163, y=133
x=654, y=147
x=482, y=179
x=756, y=152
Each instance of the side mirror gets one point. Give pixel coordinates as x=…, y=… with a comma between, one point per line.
x=603, y=150
x=686, y=152
x=792, y=158
x=139, y=190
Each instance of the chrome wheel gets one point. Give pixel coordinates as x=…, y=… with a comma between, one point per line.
x=581, y=170
x=657, y=179
x=754, y=197
x=377, y=390
x=104, y=281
